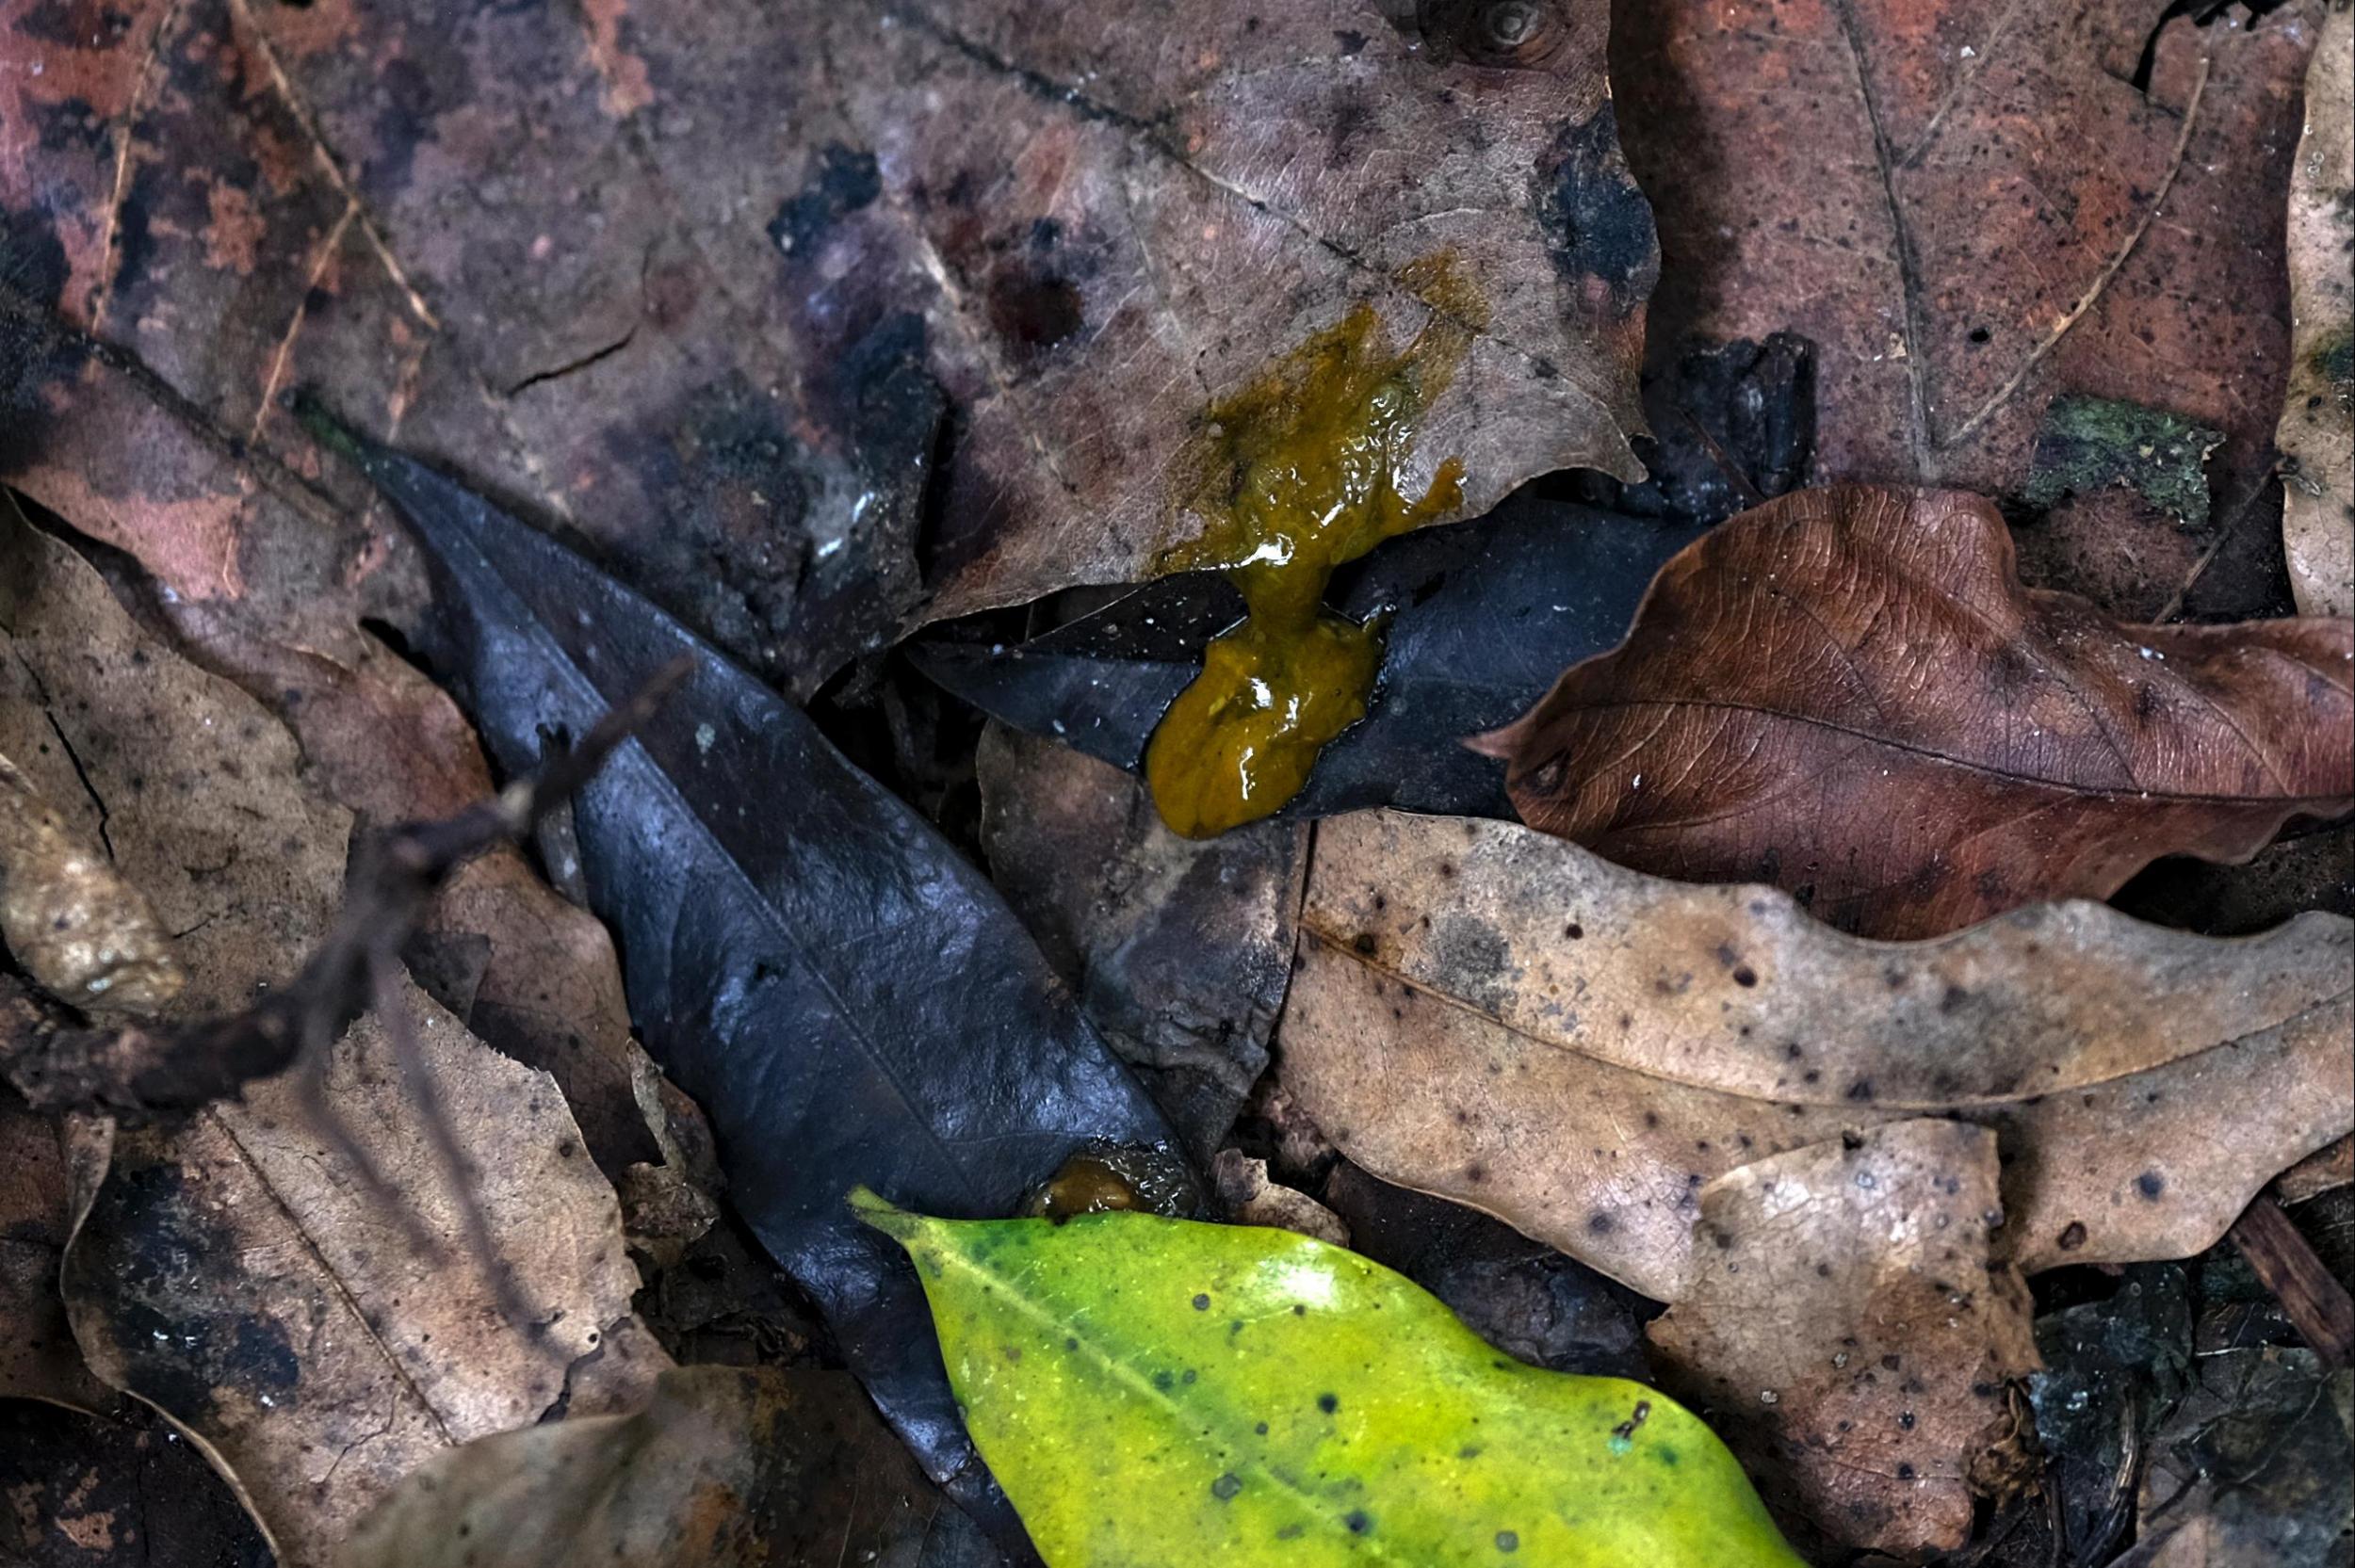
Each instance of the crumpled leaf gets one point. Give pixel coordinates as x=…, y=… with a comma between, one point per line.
x=1851, y=1330
x=1508, y=1021
x=737, y=379
x=843, y=993
x=2317, y=430
x=114, y=1491
x=1972, y=210
x=1159, y=1391
x=725, y=1467
x=67, y=917
x=1847, y=694
x=2255, y=1469
x=235, y=1273
x=1178, y=948
x=1482, y=615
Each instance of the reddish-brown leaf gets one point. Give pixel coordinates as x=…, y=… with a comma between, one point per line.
x=1847, y=693
x=1974, y=205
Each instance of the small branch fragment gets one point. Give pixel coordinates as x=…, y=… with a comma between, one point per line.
x=151, y=1070
x=2286, y=1264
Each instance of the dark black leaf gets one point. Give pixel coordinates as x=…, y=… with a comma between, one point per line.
x=1484, y=615
x=850, y=1000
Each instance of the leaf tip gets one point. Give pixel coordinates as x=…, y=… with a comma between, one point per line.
x=873, y=1209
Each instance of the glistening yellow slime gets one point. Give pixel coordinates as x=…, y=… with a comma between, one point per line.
x=1297, y=474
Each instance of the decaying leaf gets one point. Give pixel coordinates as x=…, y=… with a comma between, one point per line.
x=1971, y=208
x=1162, y=1392
x=44, y=1161
x=1478, y=618
x=113, y=1491
x=2113, y=1369
x=845, y=994
x=737, y=379
x=1851, y=1331
x=2255, y=1469
x=1846, y=693
x=1508, y=1021
x=236, y=1273
x=725, y=1467
x=1178, y=950
x=2091, y=444
x=2317, y=430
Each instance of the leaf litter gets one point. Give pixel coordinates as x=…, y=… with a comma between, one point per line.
x=811, y=379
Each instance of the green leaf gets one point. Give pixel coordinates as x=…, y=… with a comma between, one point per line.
x=1156, y=1391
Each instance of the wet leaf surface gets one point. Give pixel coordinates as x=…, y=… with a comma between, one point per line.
x=1847, y=694
x=2113, y=1370
x=1851, y=1328
x=2317, y=430
x=2255, y=1467
x=739, y=378
x=1512, y=1023
x=114, y=1491
x=723, y=1469
x=848, y=998
x=1179, y=951
x=1482, y=615
x=1160, y=1390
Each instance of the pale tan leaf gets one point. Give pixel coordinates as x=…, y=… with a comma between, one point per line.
x=1504, y=1019
x=2317, y=430
x=1850, y=1330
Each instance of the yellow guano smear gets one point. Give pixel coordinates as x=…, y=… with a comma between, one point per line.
x=1297, y=474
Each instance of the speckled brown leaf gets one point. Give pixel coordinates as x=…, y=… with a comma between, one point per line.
x=1178, y=948
x=726, y=1468
x=1847, y=693
x=2317, y=430
x=1503, y=1019
x=722, y=285
x=234, y=1272
x=1850, y=1329
x=1975, y=206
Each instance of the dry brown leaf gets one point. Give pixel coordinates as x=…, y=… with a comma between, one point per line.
x=44, y=1161
x=726, y=1468
x=1250, y=1199
x=1850, y=1329
x=1178, y=948
x=237, y=1273
x=68, y=917
x=239, y=1277
x=1506, y=1020
x=724, y=340
x=1846, y=693
x=2317, y=430
x=1972, y=207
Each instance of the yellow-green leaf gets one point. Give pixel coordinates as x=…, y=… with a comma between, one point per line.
x=1156, y=1391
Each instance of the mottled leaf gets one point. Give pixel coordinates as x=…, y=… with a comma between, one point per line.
x=1847, y=693
x=1508, y=1021
x=848, y=998
x=2317, y=430
x=1851, y=1332
x=725, y=1467
x=1159, y=1391
x=811, y=293
x=1481, y=616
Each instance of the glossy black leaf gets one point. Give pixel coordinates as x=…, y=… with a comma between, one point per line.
x=1484, y=616
x=849, y=999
